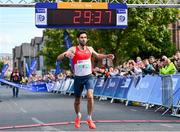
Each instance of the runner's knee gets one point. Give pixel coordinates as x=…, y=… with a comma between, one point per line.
x=77, y=101
x=89, y=96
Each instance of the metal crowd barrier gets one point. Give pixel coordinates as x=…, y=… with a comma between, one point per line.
x=155, y=90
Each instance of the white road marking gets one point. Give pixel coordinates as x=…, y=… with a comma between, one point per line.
x=23, y=110
x=15, y=103
x=45, y=128
x=166, y=125
x=133, y=110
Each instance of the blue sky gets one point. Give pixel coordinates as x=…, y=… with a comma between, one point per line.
x=17, y=25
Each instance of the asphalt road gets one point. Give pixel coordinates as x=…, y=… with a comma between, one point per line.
x=54, y=112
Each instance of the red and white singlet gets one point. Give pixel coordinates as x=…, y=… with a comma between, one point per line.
x=82, y=62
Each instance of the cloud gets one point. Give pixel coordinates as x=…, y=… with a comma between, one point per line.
x=6, y=43
x=17, y=26
x=8, y=40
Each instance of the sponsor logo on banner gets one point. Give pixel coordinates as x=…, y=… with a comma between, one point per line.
x=111, y=83
x=100, y=83
x=121, y=17
x=126, y=83
x=40, y=10
x=41, y=16
x=143, y=85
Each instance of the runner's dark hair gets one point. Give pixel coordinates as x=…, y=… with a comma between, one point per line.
x=81, y=32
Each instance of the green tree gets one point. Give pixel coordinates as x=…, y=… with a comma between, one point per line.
x=54, y=45
x=1, y=65
x=147, y=34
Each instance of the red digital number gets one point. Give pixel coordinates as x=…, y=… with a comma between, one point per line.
x=98, y=17
x=87, y=16
x=77, y=16
x=110, y=16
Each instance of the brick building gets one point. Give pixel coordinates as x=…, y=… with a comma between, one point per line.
x=175, y=31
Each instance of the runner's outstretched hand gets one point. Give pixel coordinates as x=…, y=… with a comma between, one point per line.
x=69, y=55
x=110, y=56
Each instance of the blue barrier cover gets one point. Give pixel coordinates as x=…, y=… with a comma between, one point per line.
x=167, y=91
x=62, y=83
x=123, y=87
x=141, y=92
x=10, y=83
x=66, y=84
x=37, y=87
x=110, y=86
x=34, y=87
x=99, y=86
x=156, y=93
x=71, y=87
x=176, y=89
x=59, y=85
x=50, y=86
x=147, y=89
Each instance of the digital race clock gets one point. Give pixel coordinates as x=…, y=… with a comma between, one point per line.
x=81, y=15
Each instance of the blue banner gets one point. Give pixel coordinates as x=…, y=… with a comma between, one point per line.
x=123, y=87
x=33, y=66
x=142, y=91
x=110, y=86
x=68, y=44
x=37, y=87
x=99, y=86
x=33, y=87
x=67, y=40
x=4, y=69
x=58, y=68
x=148, y=89
x=156, y=93
x=176, y=89
x=27, y=70
x=50, y=86
x=10, y=83
x=167, y=91
x=71, y=87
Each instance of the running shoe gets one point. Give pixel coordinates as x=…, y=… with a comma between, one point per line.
x=77, y=122
x=91, y=124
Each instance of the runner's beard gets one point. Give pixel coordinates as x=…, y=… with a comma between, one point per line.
x=82, y=43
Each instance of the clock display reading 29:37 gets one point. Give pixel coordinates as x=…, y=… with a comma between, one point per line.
x=80, y=17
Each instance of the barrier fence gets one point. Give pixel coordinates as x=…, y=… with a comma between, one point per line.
x=157, y=90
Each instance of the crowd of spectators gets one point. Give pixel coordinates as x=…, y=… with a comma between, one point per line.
x=151, y=66
x=49, y=77
x=143, y=67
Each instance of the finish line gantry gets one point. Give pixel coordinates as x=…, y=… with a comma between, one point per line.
x=135, y=4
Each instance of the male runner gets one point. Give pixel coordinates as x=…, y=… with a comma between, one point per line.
x=81, y=57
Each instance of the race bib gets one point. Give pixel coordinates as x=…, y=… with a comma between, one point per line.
x=83, y=68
